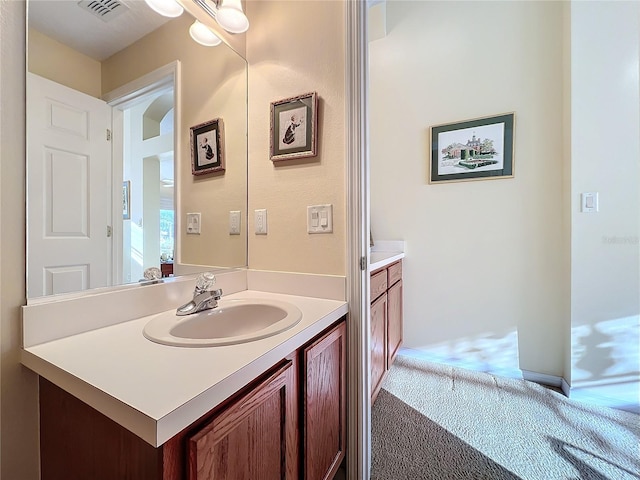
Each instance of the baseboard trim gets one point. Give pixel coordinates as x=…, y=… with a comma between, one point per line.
x=545, y=379
x=566, y=388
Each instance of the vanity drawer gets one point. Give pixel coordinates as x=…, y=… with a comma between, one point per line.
x=394, y=273
x=378, y=284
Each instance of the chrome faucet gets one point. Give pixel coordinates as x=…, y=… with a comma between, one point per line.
x=152, y=275
x=204, y=298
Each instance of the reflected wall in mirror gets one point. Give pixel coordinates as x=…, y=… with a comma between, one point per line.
x=77, y=237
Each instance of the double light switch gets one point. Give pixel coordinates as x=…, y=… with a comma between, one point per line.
x=320, y=219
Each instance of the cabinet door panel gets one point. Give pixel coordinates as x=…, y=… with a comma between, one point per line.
x=378, y=344
x=394, y=322
x=325, y=405
x=378, y=284
x=251, y=439
x=394, y=273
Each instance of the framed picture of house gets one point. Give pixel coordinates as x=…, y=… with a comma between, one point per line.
x=207, y=147
x=294, y=127
x=476, y=149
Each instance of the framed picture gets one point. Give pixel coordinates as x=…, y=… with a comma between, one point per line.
x=472, y=150
x=293, y=127
x=126, y=200
x=207, y=147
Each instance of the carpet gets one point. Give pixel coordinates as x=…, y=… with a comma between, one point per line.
x=433, y=421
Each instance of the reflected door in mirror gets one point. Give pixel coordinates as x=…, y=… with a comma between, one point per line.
x=69, y=164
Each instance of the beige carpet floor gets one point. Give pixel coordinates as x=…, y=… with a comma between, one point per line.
x=433, y=421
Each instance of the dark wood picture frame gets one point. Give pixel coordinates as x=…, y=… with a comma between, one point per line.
x=294, y=124
x=207, y=147
x=477, y=149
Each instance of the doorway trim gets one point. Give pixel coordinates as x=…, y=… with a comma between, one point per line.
x=358, y=327
x=156, y=81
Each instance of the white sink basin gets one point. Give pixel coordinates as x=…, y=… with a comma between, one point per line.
x=231, y=322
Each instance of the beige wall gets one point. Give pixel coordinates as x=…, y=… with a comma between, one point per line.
x=55, y=61
x=213, y=85
x=300, y=49
x=484, y=258
x=18, y=392
x=605, y=253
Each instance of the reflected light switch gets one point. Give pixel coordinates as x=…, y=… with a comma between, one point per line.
x=193, y=223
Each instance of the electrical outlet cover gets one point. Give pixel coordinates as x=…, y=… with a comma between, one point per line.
x=261, y=221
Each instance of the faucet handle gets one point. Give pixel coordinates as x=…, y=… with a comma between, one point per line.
x=205, y=281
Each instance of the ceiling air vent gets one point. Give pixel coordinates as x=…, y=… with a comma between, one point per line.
x=105, y=10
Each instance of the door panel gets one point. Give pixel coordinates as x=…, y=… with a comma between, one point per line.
x=378, y=344
x=325, y=405
x=68, y=189
x=253, y=438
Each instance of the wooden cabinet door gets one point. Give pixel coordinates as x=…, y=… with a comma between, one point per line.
x=254, y=438
x=324, y=404
x=378, y=344
x=394, y=322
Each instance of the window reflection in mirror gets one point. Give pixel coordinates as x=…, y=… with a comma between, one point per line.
x=149, y=176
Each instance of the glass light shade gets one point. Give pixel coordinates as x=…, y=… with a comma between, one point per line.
x=203, y=35
x=166, y=8
x=231, y=17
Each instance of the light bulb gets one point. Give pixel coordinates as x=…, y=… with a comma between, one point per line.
x=166, y=8
x=203, y=35
x=231, y=17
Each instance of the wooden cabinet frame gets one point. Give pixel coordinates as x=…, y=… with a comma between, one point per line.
x=386, y=322
x=298, y=394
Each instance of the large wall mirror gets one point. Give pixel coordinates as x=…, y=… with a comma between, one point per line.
x=110, y=108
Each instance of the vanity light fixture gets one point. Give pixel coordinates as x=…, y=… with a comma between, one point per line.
x=166, y=8
x=231, y=17
x=228, y=14
x=203, y=35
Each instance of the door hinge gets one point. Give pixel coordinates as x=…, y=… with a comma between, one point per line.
x=108, y=135
x=363, y=263
x=109, y=231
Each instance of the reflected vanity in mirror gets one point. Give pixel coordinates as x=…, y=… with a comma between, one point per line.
x=110, y=106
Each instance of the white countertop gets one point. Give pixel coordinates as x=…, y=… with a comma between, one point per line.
x=382, y=259
x=156, y=390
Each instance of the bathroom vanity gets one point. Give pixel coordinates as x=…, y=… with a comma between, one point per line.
x=115, y=405
x=386, y=315
x=296, y=410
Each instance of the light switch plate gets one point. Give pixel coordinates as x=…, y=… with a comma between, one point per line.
x=193, y=223
x=589, y=202
x=320, y=218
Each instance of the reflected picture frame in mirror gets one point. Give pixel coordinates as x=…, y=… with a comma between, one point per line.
x=207, y=147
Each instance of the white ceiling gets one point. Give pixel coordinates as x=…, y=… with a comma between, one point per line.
x=68, y=23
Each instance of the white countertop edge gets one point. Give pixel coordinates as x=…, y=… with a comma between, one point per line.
x=130, y=418
x=157, y=432
x=382, y=259
x=191, y=411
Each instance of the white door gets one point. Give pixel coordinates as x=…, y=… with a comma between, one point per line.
x=69, y=189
